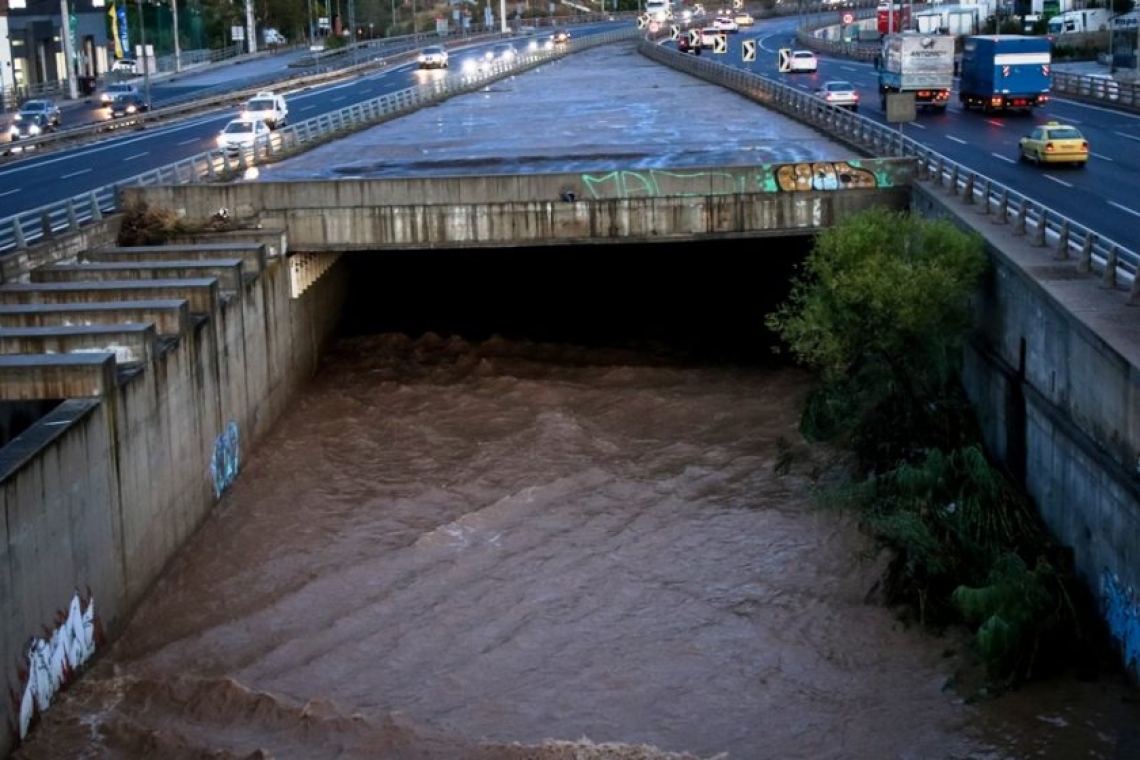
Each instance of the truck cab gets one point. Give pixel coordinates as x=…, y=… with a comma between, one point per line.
x=268, y=107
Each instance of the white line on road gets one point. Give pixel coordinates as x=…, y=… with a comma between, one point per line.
x=11, y=192
x=1124, y=208
x=1130, y=137
x=1102, y=158
x=75, y=174
x=995, y=122
x=1058, y=181
x=1007, y=159
x=137, y=155
x=958, y=140
x=190, y=142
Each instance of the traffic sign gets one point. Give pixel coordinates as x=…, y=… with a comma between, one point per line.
x=749, y=50
x=848, y=18
x=785, y=60
x=642, y=21
x=737, y=4
x=674, y=32
x=695, y=38
x=720, y=43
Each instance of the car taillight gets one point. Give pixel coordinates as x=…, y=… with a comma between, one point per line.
x=854, y=96
x=1048, y=147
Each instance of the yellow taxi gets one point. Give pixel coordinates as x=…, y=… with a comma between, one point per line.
x=1054, y=143
x=743, y=18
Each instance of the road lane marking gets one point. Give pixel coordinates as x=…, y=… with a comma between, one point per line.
x=958, y=140
x=195, y=141
x=995, y=123
x=1058, y=181
x=75, y=174
x=1102, y=158
x=137, y=155
x=1124, y=208
x=10, y=192
x=1007, y=159
x=1130, y=137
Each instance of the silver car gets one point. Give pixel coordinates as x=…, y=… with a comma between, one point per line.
x=839, y=93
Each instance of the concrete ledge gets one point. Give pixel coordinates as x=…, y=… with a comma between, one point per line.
x=274, y=239
x=170, y=317
x=56, y=376
x=202, y=294
x=130, y=342
x=252, y=254
x=227, y=271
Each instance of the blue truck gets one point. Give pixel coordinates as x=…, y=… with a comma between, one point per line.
x=1005, y=72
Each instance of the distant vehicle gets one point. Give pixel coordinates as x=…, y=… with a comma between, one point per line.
x=1054, y=143
x=803, y=62
x=128, y=66
x=273, y=37
x=31, y=126
x=45, y=107
x=1086, y=20
x=1005, y=72
x=709, y=36
x=743, y=18
x=116, y=88
x=918, y=63
x=560, y=37
x=839, y=93
x=686, y=44
x=725, y=24
x=434, y=57
x=127, y=104
x=891, y=17
x=243, y=135
x=658, y=10
x=268, y=107
x=504, y=51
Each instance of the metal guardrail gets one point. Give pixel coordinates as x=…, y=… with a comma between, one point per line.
x=68, y=215
x=1116, y=264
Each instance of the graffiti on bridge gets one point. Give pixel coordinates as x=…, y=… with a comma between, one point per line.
x=226, y=459
x=51, y=662
x=804, y=176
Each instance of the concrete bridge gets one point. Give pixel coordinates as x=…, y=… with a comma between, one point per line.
x=104, y=351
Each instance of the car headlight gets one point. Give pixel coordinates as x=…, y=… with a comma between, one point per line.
x=132, y=108
x=34, y=130
x=13, y=130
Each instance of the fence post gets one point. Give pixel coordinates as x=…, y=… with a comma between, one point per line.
x=1084, y=263
x=1063, y=242
x=45, y=224
x=1134, y=293
x=1108, y=279
x=96, y=212
x=18, y=234
x=1022, y=215
x=1039, y=230
x=938, y=172
x=1003, y=207
x=968, y=190
x=72, y=220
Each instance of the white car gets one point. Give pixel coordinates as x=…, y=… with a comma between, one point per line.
x=268, y=107
x=725, y=24
x=127, y=66
x=803, y=61
x=434, y=57
x=243, y=135
x=709, y=36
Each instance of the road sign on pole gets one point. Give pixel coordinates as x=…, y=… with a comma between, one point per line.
x=848, y=18
x=749, y=48
x=785, y=60
x=674, y=32
x=720, y=43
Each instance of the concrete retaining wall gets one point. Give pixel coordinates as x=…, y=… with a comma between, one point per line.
x=100, y=493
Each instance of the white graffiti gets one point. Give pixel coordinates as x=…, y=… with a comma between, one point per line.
x=52, y=663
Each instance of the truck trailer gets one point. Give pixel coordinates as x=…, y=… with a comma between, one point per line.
x=1005, y=72
x=1086, y=20
x=918, y=63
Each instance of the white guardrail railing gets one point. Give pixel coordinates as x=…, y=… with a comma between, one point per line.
x=20, y=231
x=1091, y=251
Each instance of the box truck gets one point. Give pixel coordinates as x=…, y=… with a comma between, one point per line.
x=918, y=63
x=1004, y=72
x=1087, y=20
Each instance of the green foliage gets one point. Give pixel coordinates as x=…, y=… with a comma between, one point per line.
x=881, y=310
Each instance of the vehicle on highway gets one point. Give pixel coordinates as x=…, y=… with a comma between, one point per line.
x=116, y=88
x=743, y=18
x=504, y=52
x=560, y=37
x=125, y=66
x=127, y=104
x=686, y=44
x=30, y=126
x=803, y=61
x=725, y=24
x=709, y=36
x=1054, y=143
x=243, y=135
x=840, y=93
x=45, y=107
x=434, y=57
x=267, y=106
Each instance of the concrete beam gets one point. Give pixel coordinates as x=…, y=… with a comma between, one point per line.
x=227, y=271
x=252, y=254
x=130, y=342
x=170, y=317
x=57, y=376
x=201, y=293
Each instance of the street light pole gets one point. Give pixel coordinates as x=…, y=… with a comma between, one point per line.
x=68, y=49
x=145, y=57
x=177, y=47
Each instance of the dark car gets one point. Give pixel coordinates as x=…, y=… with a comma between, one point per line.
x=685, y=44
x=40, y=107
x=30, y=126
x=128, y=104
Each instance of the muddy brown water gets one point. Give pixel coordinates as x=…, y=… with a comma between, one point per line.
x=499, y=547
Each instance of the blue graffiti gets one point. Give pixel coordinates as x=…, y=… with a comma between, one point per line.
x=226, y=462
x=1123, y=617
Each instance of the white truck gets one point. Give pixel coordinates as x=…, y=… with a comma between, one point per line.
x=268, y=107
x=1087, y=20
x=949, y=19
x=919, y=63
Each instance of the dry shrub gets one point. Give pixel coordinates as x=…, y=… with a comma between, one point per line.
x=145, y=225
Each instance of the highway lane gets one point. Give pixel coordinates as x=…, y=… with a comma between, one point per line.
x=38, y=180
x=1105, y=196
